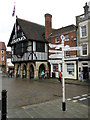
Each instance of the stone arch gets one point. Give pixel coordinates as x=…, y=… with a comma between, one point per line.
x=41, y=68
x=23, y=70
x=30, y=70
x=17, y=70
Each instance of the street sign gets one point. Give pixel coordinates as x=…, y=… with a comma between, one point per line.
x=62, y=37
x=72, y=48
x=55, y=56
x=55, y=46
x=55, y=51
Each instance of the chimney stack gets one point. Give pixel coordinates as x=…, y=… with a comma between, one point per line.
x=48, y=25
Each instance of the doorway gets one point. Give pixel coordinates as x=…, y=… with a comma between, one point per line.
x=24, y=72
x=41, y=68
x=31, y=71
x=85, y=70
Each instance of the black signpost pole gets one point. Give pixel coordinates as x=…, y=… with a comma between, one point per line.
x=4, y=105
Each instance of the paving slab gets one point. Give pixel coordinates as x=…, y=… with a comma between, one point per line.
x=51, y=109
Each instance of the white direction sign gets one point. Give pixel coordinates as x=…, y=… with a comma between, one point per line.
x=55, y=46
x=55, y=51
x=73, y=48
x=55, y=56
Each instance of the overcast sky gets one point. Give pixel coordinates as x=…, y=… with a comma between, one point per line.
x=63, y=13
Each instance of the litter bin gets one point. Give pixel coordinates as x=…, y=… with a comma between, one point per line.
x=53, y=75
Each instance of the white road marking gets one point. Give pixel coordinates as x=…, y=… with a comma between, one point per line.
x=69, y=99
x=84, y=95
x=74, y=100
x=76, y=97
x=82, y=99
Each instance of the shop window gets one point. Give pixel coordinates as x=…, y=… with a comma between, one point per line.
x=55, y=67
x=70, y=68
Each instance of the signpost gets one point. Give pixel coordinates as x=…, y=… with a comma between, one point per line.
x=63, y=84
x=64, y=48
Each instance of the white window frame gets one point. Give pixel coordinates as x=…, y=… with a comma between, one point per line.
x=55, y=67
x=82, y=25
x=67, y=37
x=70, y=68
x=2, y=58
x=82, y=49
x=57, y=40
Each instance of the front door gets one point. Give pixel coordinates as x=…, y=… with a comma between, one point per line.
x=85, y=70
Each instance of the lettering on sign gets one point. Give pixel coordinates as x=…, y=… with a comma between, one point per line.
x=18, y=39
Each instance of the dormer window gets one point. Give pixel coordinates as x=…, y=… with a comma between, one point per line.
x=57, y=40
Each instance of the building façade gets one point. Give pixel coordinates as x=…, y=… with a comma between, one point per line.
x=29, y=48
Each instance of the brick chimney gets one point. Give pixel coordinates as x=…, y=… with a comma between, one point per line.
x=48, y=25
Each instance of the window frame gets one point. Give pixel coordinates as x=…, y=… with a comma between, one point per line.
x=2, y=58
x=57, y=40
x=67, y=37
x=82, y=49
x=82, y=30
x=69, y=70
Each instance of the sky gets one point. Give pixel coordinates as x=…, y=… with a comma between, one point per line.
x=63, y=13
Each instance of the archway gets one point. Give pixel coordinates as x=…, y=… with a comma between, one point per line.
x=24, y=72
x=41, y=68
x=18, y=71
x=31, y=71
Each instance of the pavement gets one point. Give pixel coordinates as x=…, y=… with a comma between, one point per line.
x=50, y=109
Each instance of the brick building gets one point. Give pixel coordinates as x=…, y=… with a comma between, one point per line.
x=2, y=57
x=55, y=58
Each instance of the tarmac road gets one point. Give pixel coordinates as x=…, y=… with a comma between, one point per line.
x=22, y=92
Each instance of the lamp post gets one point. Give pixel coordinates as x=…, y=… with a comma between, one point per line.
x=63, y=83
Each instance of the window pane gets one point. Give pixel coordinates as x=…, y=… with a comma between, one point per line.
x=55, y=67
x=57, y=40
x=67, y=53
x=84, y=49
x=84, y=32
x=70, y=68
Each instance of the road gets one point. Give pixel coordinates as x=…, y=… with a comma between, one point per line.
x=23, y=92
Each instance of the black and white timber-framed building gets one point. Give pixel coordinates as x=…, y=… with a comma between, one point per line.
x=29, y=49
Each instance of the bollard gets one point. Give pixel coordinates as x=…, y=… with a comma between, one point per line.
x=4, y=105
